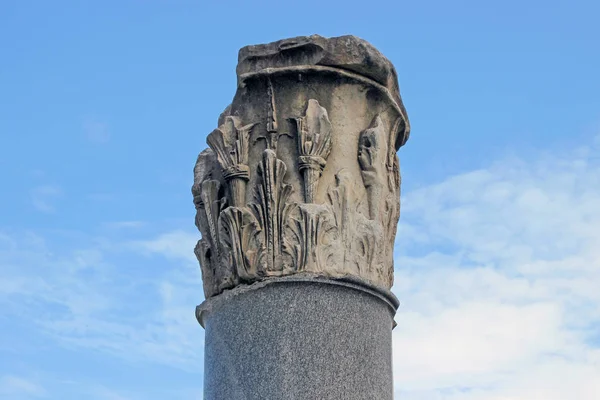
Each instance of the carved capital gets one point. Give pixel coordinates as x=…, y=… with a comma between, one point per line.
x=320, y=194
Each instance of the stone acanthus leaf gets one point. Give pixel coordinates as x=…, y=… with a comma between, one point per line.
x=309, y=241
x=272, y=234
x=271, y=208
x=359, y=236
x=239, y=238
x=208, y=249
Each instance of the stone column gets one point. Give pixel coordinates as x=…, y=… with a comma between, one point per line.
x=297, y=200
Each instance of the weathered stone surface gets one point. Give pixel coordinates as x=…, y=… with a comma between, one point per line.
x=344, y=53
x=302, y=176
x=302, y=339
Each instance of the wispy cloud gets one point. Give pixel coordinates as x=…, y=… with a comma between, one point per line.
x=175, y=244
x=15, y=387
x=43, y=197
x=499, y=284
x=138, y=311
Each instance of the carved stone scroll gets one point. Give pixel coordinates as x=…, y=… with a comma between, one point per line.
x=324, y=198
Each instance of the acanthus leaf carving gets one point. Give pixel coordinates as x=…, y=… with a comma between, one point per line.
x=272, y=233
x=359, y=236
x=212, y=207
x=239, y=232
x=271, y=208
x=309, y=242
x=209, y=271
x=208, y=249
x=368, y=259
x=204, y=169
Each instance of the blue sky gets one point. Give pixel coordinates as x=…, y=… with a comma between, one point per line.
x=105, y=105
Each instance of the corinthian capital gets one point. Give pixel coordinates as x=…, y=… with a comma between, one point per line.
x=320, y=194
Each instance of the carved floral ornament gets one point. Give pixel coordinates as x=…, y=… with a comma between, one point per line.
x=252, y=233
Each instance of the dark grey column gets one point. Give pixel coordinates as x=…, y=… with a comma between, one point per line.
x=297, y=201
x=299, y=338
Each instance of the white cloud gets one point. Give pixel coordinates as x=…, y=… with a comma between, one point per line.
x=498, y=273
x=88, y=298
x=44, y=196
x=175, y=245
x=15, y=387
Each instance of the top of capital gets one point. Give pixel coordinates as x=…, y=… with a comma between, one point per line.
x=345, y=53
